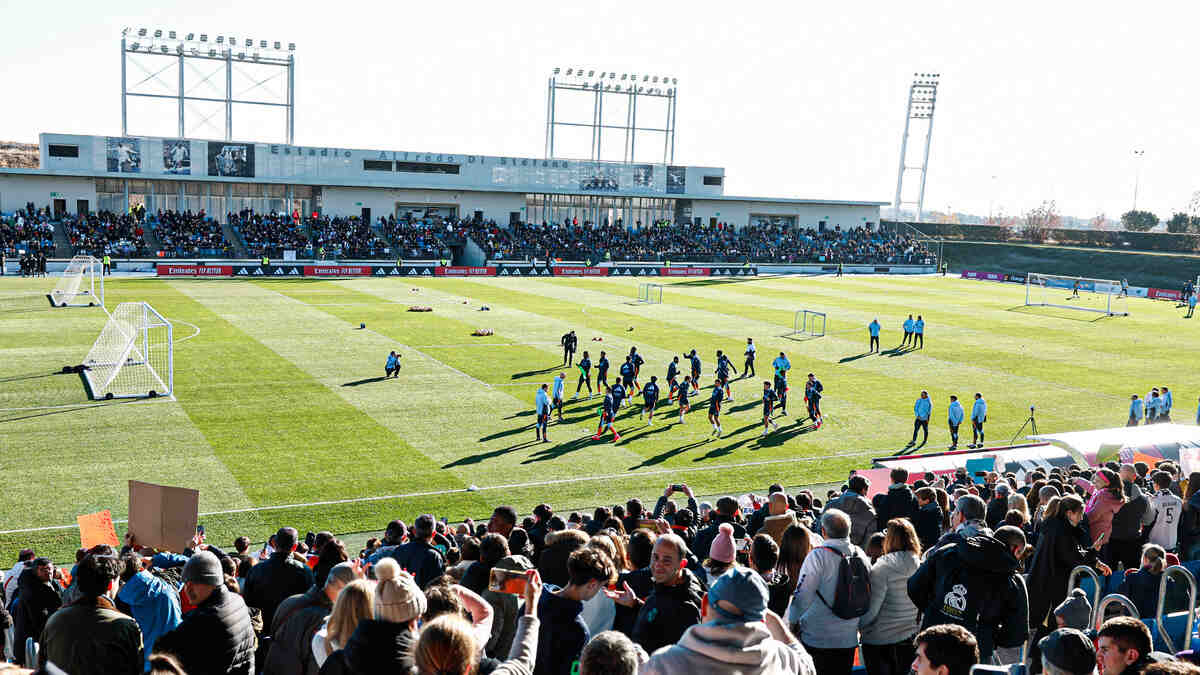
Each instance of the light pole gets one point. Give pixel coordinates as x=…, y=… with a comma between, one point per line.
x=991, y=198
x=1137, y=175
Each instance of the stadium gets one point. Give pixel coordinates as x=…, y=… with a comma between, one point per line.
x=194, y=332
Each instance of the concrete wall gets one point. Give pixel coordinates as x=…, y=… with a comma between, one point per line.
x=738, y=213
x=16, y=190
x=382, y=202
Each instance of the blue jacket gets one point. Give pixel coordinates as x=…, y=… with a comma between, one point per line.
x=956, y=413
x=874, y=328
x=919, y=326
x=541, y=404
x=781, y=365
x=391, y=361
x=1167, y=400
x=979, y=410
x=154, y=604
x=922, y=408
x=1135, y=409
x=908, y=325
x=557, y=387
x=562, y=633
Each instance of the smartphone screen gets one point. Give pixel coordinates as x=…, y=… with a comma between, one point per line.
x=507, y=581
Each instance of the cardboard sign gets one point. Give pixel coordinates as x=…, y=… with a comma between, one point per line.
x=161, y=516
x=97, y=528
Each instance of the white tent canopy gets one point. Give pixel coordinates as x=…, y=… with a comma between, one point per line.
x=1123, y=443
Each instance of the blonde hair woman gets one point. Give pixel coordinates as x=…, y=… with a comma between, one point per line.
x=355, y=602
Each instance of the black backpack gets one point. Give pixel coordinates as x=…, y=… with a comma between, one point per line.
x=853, y=596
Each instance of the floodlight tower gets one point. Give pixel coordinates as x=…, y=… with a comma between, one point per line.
x=165, y=56
x=604, y=85
x=922, y=99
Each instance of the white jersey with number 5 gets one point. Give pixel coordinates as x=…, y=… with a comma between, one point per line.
x=1166, y=521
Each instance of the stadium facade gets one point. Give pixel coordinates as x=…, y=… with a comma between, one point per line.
x=79, y=173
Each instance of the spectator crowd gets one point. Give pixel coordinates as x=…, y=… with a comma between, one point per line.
x=189, y=234
x=271, y=234
x=27, y=231
x=933, y=575
x=107, y=233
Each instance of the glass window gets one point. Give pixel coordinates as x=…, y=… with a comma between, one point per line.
x=64, y=150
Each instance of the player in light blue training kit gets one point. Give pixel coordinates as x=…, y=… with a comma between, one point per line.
x=919, y=332
x=541, y=406
x=954, y=416
x=1164, y=409
x=781, y=366
x=921, y=410
x=1135, y=411
x=556, y=393
x=873, y=329
x=978, y=417
x=908, y=331
x=392, y=368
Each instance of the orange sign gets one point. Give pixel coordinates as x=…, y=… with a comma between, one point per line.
x=97, y=528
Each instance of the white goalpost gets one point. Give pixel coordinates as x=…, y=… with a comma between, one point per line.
x=808, y=322
x=1103, y=296
x=650, y=294
x=81, y=284
x=134, y=356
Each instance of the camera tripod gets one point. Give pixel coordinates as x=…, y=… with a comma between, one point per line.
x=1030, y=422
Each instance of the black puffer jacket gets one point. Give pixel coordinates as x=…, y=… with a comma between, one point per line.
x=214, y=638
x=1057, y=553
x=375, y=647
x=36, y=601
x=422, y=560
x=274, y=580
x=898, y=502
x=296, y=621
x=668, y=612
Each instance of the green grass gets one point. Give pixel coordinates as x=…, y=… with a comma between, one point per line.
x=279, y=402
x=1142, y=268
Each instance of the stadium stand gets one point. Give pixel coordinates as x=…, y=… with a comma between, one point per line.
x=346, y=237
x=421, y=240
x=271, y=234
x=106, y=233
x=921, y=541
x=187, y=234
x=26, y=230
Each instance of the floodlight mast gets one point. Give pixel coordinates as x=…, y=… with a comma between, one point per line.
x=922, y=100
x=191, y=50
x=598, y=84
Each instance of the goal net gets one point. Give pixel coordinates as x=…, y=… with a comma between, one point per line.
x=808, y=322
x=1103, y=296
x=81, y=284
x=650, y=293
x=134, y=356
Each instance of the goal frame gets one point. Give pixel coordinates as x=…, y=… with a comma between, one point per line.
x=129, y=332
x=89, y=284
x=650, y=294
x=805, y=322
x=1107, y=287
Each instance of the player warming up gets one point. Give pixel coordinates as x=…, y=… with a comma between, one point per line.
x=919, y=332
x=812, y=396
x=650, y=398
x=978, y=417
x=723, y=367
x=714, y=407
x=908, y=331
x=602, y=372
x=541, y=407
x=637, y=361
x=769, y=397
x=569, y=342
x=618, y=394
x=585, y=375
x=628, y=376
x=695, y=361
x=873, y=331
x=751, y=352
x=608, y=412
x=685, y=389
x=556, y=394
x=781, y=366
x=392, y=367
x=672, y=378
x=921, y=410
x=954, y=417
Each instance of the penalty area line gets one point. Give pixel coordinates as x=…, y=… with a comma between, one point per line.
x=508, y=486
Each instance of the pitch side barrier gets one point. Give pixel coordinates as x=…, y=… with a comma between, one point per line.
x=166, y=269
x=1085, y=285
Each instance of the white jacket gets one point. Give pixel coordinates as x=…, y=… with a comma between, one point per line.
x=719, y=649
x=892, y=616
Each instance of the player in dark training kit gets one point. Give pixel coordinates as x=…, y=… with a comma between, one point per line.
x=695, y=361
x=714, y=407
x=637, y=361
x=602, y=371
x=685, y=388
x=607, y=414
x=723, y=367
x=618, y=394
x=585, y=375
x=769, y=397
x=751, y=352
x=628, y=376
x=812, y=396
x=569, y=343
x=650, y=397
x=672, y=378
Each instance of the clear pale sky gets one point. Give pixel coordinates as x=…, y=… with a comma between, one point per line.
x=793, y=99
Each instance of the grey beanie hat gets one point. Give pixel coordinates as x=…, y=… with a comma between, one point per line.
x=1076, y=611
x=203, y=568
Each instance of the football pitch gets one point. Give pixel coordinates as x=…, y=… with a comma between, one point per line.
x=281, y=414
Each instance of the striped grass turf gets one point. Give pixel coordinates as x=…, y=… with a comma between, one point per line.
x=279, y=400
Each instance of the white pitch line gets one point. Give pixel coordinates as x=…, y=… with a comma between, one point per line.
x=88, y=405
x=190, y=336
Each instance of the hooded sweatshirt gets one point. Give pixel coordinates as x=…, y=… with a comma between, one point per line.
x=562, y=635
x=718, y=648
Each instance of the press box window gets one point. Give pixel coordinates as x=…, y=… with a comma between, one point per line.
x=426, y=167
x=376, y=165
x=713, y=180
x=64, y=150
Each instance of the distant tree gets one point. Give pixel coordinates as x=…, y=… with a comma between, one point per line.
x=1138, y=221
x=1182, y=222
x=1037, y=222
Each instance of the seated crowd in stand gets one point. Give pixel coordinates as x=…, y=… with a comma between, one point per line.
x=271, y=234
x=107, y=233
x=188, y=234
x=341, y=237
x=28, y=230
x=427, y=239
x=935, y=575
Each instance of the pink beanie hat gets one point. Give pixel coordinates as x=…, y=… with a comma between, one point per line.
x=722, y=547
